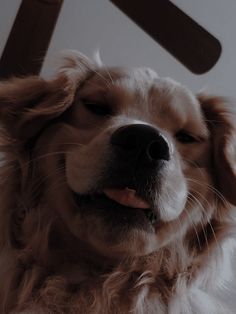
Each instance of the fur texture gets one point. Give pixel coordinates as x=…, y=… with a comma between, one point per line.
x=64, y=247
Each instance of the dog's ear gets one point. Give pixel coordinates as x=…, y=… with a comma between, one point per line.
x=221, y=119
x=28, y=104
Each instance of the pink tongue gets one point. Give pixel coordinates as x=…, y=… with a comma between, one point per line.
x=126, y=197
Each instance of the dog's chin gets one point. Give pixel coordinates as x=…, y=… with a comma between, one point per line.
x=113, y=227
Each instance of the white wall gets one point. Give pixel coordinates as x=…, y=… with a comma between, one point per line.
x=89, y=24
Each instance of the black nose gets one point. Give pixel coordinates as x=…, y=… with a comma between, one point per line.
x=141, y=139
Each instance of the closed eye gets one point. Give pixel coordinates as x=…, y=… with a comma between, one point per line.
x=98, y=109
x=186, y=137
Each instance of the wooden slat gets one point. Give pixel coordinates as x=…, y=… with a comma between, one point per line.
x=29, y=38
x=178, y=33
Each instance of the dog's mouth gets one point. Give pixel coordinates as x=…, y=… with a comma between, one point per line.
x=129, y=199
x=120, y=206
x=126, y=197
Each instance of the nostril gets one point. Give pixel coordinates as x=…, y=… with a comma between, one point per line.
x=158, y=149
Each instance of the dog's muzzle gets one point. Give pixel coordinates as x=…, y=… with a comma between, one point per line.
x=131, y=182
x=140, y=153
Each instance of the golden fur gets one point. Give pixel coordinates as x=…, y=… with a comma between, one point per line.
x=54, y=259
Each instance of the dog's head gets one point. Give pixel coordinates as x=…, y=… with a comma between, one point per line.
x=125, y=160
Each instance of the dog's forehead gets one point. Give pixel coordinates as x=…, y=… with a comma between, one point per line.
x=144, y=83
x=137, y=80
x=141, y=90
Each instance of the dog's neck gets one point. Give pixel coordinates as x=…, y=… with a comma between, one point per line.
x=81, y=268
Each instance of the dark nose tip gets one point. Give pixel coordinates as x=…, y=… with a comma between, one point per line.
x=140, y=138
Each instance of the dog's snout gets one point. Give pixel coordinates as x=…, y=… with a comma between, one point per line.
x=140, y=138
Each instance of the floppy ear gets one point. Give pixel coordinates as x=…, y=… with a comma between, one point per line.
x=221, y=120
x=28, y=104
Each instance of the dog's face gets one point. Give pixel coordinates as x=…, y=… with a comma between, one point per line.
x=129, y=165
x=141, y=142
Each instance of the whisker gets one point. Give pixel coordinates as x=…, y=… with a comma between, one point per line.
x=195, y=165
x=208, y=219
x=25, y=164
x=194, y=226
x=203, y=229
x=212, y=189
x=49, y=175
x=108, y=84
x=6, y=168
x=96, y=72
x=109, y=74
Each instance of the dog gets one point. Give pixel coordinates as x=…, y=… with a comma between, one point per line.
x=117, y=193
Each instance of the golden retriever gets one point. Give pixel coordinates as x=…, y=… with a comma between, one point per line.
x=117, y=193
